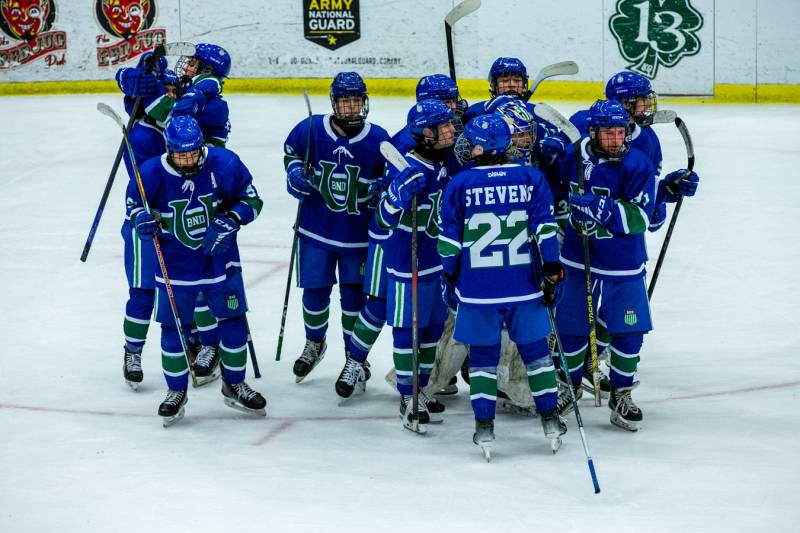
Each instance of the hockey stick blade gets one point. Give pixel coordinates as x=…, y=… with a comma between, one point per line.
x=549, y=114
x=564, y=68
x=179, y=49
x=393, y=156
x=461, y=10
x=108, y=111
x=687, y=139
x=663, y=116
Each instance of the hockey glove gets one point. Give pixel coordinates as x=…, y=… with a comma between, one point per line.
x=220, y=234
x=404, y=185
x=658, y=217
x=449, y=292
x=552, y=279
x=590, y=208
x=551, y=148
x=137, y=82
x=146, y=223
x=679, y=183
x=298, y=183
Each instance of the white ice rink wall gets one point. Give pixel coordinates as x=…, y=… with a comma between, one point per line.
x=718, y=50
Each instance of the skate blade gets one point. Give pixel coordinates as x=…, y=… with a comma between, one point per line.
x=416, y=427
x=134, y=385
x=624, y=424
x=239, y=407
x=205, y=380
x=486, y=447
x=359, y=389
x=555, y=444
x=167, y=421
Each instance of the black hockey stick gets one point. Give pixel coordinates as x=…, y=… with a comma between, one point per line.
x=396, y=159
x=687, y=139
x=555, y=118
x=183, y=49
x=457, y=13
x=109, y=112
x=252, y=348
x=564, y=68
x=306, y=169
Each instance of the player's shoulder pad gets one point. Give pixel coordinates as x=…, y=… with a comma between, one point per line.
x=636, y=160
x=222, y=160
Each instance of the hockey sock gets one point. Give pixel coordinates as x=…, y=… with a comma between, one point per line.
x=483, y=379
x=575, y=351
x=138, y=311
x=233, y=348
x=541, y=374
x=603, y=336
x=368, y=326
x=316, y=309
x=206, y=323
x=173, y=360
x=402, y=359
x=428, y=340
x=624, y=358
x=351, y=298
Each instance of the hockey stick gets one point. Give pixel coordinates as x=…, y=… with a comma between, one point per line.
x=252, y=348
x=399, y=162
x=687, y=139
x=109, y=112
x=292, y=255
x=564, y=68
x=578, y=419
x=662, y=116
x=457, y=13
x=555, y=118
x=159, y=52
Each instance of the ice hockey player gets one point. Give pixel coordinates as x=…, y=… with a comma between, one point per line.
x=637, y=96
x=372, y=316
x=199, y=197
x=335, y=214
x=489, y=214
x=615, y=212
x=430, y=123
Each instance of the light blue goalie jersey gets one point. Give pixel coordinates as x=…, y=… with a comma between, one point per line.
x=488, y=214
x=337, y=213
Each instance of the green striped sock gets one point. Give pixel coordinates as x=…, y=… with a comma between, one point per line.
x=135, y=329
x=204, y=319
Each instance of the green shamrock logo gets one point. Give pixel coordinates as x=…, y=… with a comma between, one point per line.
x=655, y=32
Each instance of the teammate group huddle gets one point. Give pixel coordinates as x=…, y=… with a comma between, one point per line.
x=482, y=227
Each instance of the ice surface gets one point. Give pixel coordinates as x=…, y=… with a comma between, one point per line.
x=79, y=451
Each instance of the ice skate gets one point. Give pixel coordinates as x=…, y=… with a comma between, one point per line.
x=450, y=389
x=206, y=366
x=588, y=385
x=435, y=408
x=484, y=436
x=565, y=405
x=132, y=369
x=554, y=426
x=351, y=380
x=241, y=397
x=313, y=353
x=406, y=411
x=625, y=413
x=172, y=408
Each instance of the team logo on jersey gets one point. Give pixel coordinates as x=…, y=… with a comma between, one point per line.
x=651, y=33
x=26, y=36
x=331, y=23
x=189, y=225
x=128, y=20
x=630, y=317
x=341, y=191
x=233, y=302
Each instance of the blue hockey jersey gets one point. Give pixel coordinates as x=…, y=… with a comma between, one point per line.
x=223, y=185
x=618, y=250
x=487, y=216
x=337, y=213
x=397, y=248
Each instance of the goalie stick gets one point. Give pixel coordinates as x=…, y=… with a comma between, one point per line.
x=395, y=159
x=457, y=13
x=555, y=118
x=109, y=112
x=687, y=139
x=167, y=49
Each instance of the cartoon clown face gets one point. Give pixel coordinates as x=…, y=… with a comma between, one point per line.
x=25, y=18
x=126, y=17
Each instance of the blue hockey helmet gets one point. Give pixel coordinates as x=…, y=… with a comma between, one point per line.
x=521, y=122
x=505, y=66
x=169, y=77
x=490, y=132
x=438, y=87
x=349, y=117
x=181, y=135
x=427, y=114
x=628, y=87
x=214, y=59
x=608, y=114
